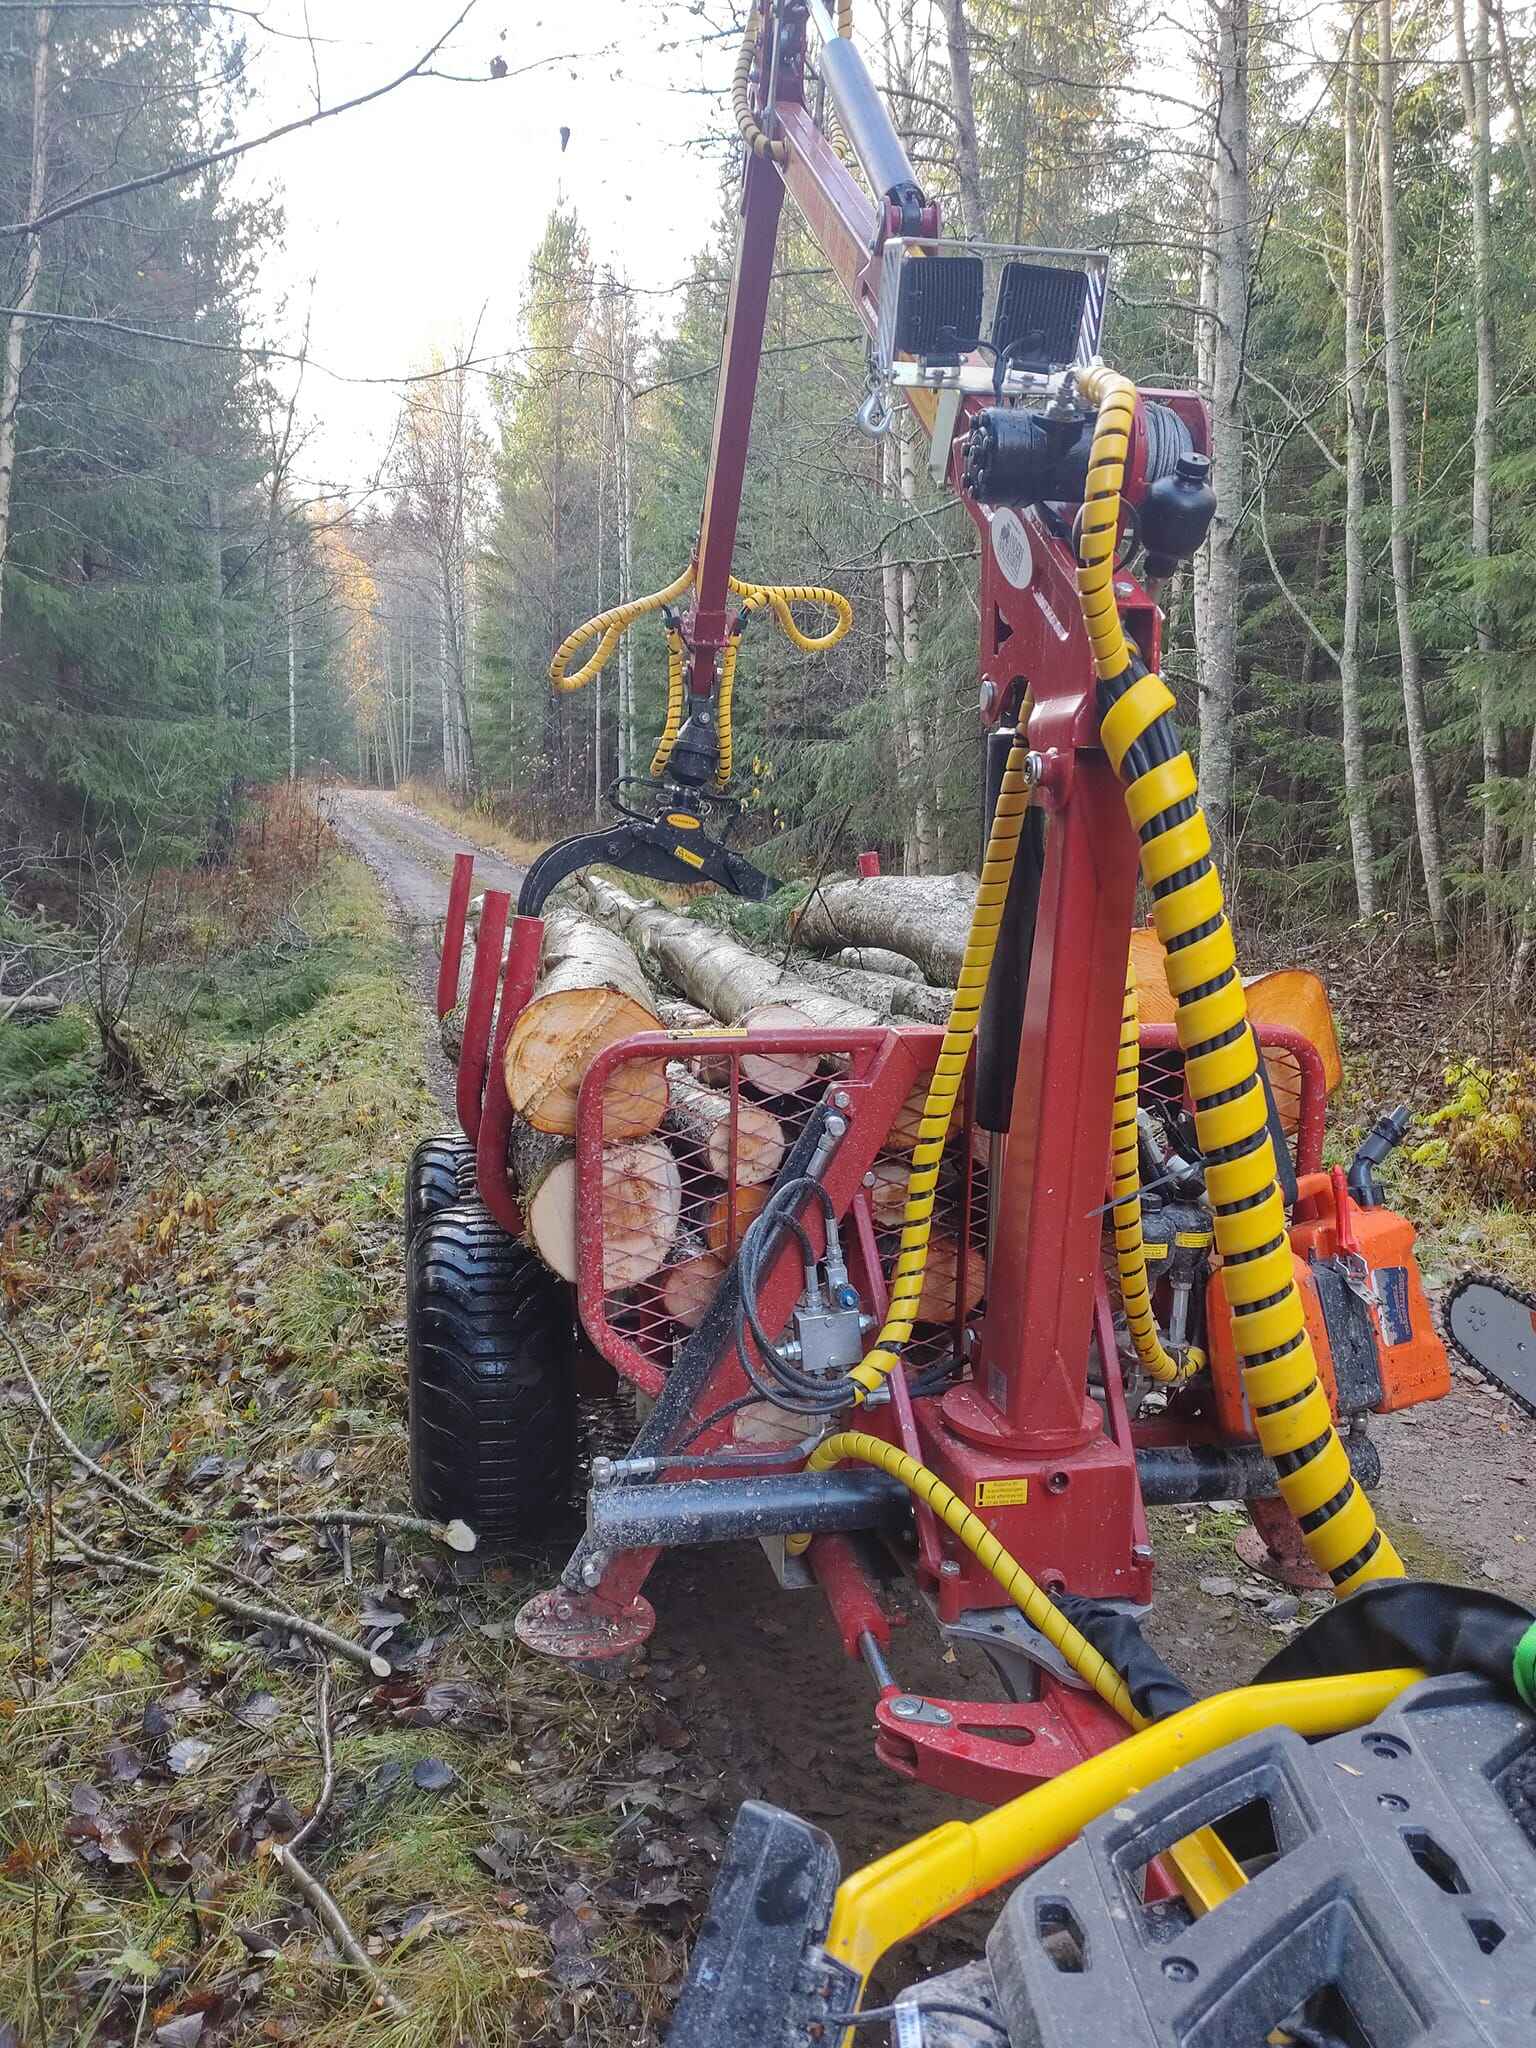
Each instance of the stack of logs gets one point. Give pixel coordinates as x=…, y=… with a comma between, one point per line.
x=682, y=1175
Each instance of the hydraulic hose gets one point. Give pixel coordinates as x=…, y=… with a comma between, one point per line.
x=948, y=1073
x=609, y=627
x=673, y=723
x=1036, y=1605
x=741, y=96
x=1221, y=1059
x=1125, y=1216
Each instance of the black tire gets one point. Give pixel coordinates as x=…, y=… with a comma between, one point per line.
x=490, y=1344
x=441, y=1172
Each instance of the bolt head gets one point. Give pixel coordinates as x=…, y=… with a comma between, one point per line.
x=1141, y=1553
x=949, y=1569
x=988, y=696
x=562, y=1610
x=905, y=1707
x=842, y=1098
x=592, y=1573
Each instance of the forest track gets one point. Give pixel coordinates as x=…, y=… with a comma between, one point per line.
x=777, y=1712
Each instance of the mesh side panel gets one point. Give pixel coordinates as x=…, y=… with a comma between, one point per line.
x=678, y=1189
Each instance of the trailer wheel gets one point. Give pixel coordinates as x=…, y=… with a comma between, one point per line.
x=490, y=1347
x=441, y=1171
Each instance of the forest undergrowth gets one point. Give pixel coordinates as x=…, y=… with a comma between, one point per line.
x=202, y=1296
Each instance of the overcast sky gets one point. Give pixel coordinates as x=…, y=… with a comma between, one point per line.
x=416, y=216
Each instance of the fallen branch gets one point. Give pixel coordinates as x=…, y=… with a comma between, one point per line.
x=327, y=1766
x=336, y=1922
x=455, y=1535
x=314, y=1632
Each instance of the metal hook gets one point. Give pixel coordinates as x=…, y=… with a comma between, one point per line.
x=875, y=416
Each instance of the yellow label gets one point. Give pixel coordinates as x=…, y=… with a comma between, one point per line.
x=1001, y=1493
x=1197, y=1238
x=1157, y=1250
x=682, y=821
x=694, y=860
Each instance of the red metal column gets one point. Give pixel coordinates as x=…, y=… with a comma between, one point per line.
x=1030, y=1384
x=762, y=201
x=453, y=932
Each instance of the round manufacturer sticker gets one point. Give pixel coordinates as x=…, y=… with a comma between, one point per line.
x=1010, y=544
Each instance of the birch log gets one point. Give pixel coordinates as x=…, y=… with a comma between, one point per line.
x=925, y=917
x=880, y=960
x=700, y=1121
x=642, y=1203
x=888, y=995
x=677, y=1014
x=590, y=992
x=715, y=971
x=690, y=1286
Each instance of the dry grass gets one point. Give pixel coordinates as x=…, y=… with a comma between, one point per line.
x=476, y=821
x=212, y=1300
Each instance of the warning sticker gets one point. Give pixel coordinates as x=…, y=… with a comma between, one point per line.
x=1001, y=1493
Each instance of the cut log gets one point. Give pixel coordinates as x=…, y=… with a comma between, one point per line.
x=936, y=1303
x=688, y=1288
x=741, y=1207
x=905, y=1123
x=925, y=917
x=642, y=1204
x=677, y=1014
x=700, y=1119
x=886, y=994
x=450, y=1033
x=887, y=1191
x=880, y=960
x=738, y=986
x=590, y=992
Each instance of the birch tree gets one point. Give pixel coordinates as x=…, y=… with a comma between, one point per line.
x=1356, y=779
x=1472, y=67
x=15, y=332
x=1426, y=804
x=1231, y=276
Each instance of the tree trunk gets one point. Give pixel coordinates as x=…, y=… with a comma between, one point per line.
x=923, y=855
x=1473, y=70
x=1516, y=107
x=967, y=167
x=293, y=657
x=1233, y=263
x=1425, y=801
x=1356, y=777
x=15, y=332
x=642, y=1201
x=928, y=918
x=589, y=994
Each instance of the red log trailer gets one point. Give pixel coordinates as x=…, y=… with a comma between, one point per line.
x=1121, y=1277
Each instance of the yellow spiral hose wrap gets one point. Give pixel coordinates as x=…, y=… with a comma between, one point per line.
x=1125, y=1185
x=881, y=1360
x=1221, y=1059
x=1036, y=1605
x=608, y=629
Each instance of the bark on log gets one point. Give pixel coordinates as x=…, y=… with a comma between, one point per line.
x=926, y=917
x=880, y=960
x=642, y=1203
x=900, y=1001
x=739, y=987
x=590, y=992
x=700, y=1119
x=677, y=1014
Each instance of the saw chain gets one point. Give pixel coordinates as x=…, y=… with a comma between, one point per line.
x=1493, y=1327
